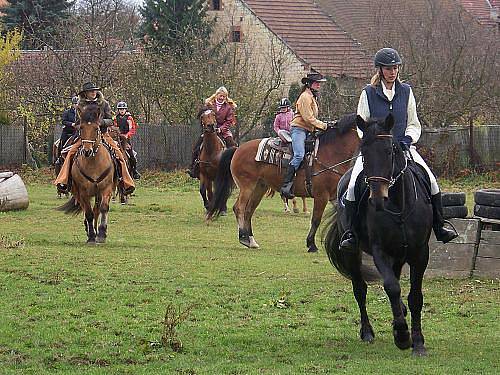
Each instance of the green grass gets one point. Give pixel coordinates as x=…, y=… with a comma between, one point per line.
x=70, y=308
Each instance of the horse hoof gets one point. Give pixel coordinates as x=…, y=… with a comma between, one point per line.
x=100, y=240
x=419, y=352
x=253, y=243
x=91, y=242
x=223, y=213
x=245, y=242
x=367, y=335
x=402, y=340
x=312, y=249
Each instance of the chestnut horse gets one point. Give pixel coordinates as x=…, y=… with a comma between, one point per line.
x=337, y=146
x=93, y=175
x=211, y=149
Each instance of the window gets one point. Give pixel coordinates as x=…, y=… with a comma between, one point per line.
x=216, y=5
x=235, y=36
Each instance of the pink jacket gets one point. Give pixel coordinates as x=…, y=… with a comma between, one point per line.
x=282, y=121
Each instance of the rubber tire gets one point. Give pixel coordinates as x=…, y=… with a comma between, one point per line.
x=490, y=212
x=487, y=197
x=453, y=199
x=455, y=211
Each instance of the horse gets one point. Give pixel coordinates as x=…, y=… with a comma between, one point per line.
x=93, y=175
x=394, y=224
x=211, y=149
x=336, y=147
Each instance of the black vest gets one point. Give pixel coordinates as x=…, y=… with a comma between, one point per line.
x=122, y=123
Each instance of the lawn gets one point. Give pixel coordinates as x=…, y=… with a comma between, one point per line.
x=70, y=308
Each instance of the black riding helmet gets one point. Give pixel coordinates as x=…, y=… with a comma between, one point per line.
x=387, y=57
x=284, y=103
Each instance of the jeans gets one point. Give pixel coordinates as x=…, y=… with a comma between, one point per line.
x=298, y=145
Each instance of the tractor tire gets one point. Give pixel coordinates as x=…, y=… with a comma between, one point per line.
x=487, y=197
x=455, y=212
x=453, y=199
x=489, y=212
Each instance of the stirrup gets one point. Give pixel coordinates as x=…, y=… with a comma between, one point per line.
x=344, y=238
x=451, y=225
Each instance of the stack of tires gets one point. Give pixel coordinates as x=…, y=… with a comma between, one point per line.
x=454, y=205
x=487, y=203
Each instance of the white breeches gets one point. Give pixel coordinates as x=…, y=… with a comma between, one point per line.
x=358, y=168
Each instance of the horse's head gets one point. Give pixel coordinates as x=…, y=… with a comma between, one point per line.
x=377, y=148
x=90, y=134
x=208, y=120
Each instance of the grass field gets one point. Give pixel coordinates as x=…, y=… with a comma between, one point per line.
x=70, y=308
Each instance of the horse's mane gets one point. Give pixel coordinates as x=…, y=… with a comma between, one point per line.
x=90, y=113
x=201, y=111
x=343, y=125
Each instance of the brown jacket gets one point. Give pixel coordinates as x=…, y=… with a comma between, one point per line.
x=224, y=116
x=306, y=112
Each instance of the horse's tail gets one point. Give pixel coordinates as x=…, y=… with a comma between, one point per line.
x=70, y=207
x=224, y=184
x=345, y=262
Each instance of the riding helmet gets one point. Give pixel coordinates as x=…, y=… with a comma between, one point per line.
x=284, y=103
x=74, y=100
x=89, y=86
x=121, y=105
x=387, y=57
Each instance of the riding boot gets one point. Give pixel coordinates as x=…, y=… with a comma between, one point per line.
x=349, y=239
x=442, y=234
x=230, y=142
x=126, y=180
x=194, y=172
x=287, y=186
x=133, y=165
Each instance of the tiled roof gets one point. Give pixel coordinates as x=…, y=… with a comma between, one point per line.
x=482, y=9
x=313, y=36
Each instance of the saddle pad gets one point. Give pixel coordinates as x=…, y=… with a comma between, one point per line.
x=268, y=152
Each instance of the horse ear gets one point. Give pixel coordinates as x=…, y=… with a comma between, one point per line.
x=361, y=124
x=389, y=122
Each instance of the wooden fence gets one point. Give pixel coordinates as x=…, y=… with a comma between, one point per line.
x=168, y=147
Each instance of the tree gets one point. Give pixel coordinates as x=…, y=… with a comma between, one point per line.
x=37, y=19
x=174, y=24
x=9, y=52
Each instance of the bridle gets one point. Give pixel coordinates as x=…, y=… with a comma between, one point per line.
x=210, y=128
x=393, y=178
x=95, y=143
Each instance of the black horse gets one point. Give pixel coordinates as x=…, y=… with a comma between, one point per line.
x=394, y=224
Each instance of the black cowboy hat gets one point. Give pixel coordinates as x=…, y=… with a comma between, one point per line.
x=313, y=77
x=89, y=86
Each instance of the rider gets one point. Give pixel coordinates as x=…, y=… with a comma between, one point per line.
x=68, y=123
x=125, y=122
x=387, y=94
x=283, y=118
x=92, y=94
x=304, y=121
x=223, y=107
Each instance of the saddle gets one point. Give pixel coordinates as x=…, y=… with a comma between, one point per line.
x=279, y=152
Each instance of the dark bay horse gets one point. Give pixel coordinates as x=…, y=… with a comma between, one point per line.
x=211, y=149
x=336, y=148
x=394, y=225
x=93, y=175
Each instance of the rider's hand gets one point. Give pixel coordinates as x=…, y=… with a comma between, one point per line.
x=322, y=126
x=405, y=142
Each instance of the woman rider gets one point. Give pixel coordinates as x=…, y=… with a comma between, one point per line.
x=387, y=94
x=223, y=107
x=304, y=121
x=92, y=94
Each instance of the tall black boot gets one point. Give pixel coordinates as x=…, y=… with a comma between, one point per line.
x=287, y=186
x=442, y=234
x=349, y=238
x=133, y=165
x=194, y=171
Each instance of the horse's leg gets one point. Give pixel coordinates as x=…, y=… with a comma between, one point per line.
x=416, y=300
x=285, y=203
x=242, y=209
x=89, y=220
x=304, y=205
x=397, y=268
x=319, y=204
x=359, y=289
x=385, y=265
x=203, y=191
x=295, y=208
x=258, y=193
x=103, y=210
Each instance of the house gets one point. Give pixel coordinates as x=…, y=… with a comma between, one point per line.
x=305, y=35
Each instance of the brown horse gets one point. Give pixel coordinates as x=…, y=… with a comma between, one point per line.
x=93, y=175
x=211, y=149
x=337, y=146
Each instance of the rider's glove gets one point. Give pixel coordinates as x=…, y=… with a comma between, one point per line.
x=322, y=126
x=405, y=142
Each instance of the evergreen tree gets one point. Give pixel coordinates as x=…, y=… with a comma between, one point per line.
x=37, y=19
x=174, y=25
